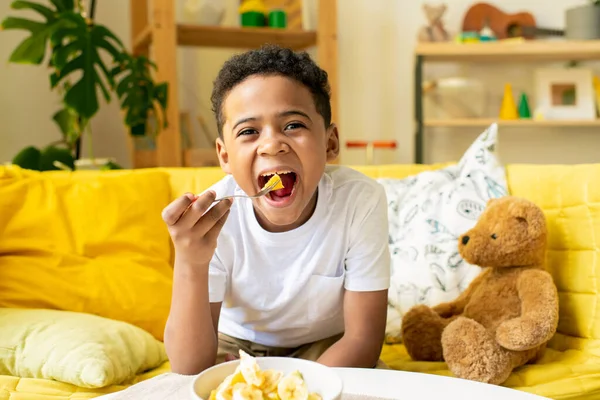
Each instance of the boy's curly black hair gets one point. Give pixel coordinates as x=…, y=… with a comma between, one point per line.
x=272, y=60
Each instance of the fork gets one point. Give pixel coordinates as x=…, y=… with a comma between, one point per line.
x=264, y=191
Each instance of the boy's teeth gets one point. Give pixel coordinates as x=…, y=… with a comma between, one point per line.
x=278, y=173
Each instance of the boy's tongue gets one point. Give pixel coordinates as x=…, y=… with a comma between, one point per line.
x=288, y=181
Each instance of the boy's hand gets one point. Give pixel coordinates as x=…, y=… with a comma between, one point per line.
x=193, y=230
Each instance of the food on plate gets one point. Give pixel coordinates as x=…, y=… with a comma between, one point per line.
x=249, y=382
x=272, y=180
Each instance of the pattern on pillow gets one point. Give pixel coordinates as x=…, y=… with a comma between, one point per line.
x=427, y=213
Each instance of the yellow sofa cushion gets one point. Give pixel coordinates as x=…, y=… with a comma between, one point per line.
x=560, y=375
x=570, y=198
x=16, y=388
x=88, y=242
x=81, y=349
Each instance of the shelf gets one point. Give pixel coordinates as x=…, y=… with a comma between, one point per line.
x=143, y=40
x=484, y=122
x=233, y=37
x=511, y=51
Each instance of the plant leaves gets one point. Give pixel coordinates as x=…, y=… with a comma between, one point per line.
x=28, y=158
x=46, y=12
x=138, y=93
x=162, y=94
x=68, y=123
x=78, y=50
x=32, y=50
x=64, y=5
x=22, y=23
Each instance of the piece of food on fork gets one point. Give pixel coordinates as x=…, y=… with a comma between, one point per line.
x=275, y=182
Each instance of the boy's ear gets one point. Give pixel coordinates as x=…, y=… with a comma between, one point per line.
x=223, y=155
x=333, y=143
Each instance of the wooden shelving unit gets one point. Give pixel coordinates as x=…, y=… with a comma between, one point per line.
x=154, y=29
x=497, y=52
x=232, y=37
x=484, y=122
x=521, y=51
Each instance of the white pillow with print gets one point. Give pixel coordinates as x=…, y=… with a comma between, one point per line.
x=427, y=214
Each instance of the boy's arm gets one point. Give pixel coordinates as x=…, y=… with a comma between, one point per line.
x=199, y=280
x=366, y=282
x=365, y=317
x=191, y=336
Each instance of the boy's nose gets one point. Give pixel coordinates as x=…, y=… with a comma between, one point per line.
x=272, y=145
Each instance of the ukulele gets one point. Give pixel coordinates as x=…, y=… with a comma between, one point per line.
x=504, y=25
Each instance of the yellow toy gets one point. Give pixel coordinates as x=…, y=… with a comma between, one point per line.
x=508, y=110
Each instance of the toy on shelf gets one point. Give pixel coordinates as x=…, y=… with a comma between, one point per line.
x=486, y=34
x=508, y=110
x=467, y=37
x=256, y=13
x=253, y=13
x=277, y=19
x=205, y=12
x=370, y=147
x=435, y=30
x=504, y=25
x=524, y=111
x=294, y=13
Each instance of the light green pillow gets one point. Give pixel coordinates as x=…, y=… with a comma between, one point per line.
x=82, y=349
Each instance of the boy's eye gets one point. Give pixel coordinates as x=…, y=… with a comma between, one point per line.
x=294, y=125
x=247, y=132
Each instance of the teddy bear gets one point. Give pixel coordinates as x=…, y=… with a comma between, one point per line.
x=434, y=31
x=507, y=314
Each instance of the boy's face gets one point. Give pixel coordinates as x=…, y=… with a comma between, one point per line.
x=272, y=126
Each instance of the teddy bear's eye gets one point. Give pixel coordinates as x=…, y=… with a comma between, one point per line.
x=494, y=236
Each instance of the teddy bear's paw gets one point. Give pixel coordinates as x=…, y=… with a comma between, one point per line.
x=520, y=334
x=471, y=352
x=421, y=333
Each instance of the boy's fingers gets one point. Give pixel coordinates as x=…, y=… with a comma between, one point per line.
x=214, y=232
x=173, y=211
x=213, y=216
x=198, y=208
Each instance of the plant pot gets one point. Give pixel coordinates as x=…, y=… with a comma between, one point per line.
x=95, y=164
x=583, y=22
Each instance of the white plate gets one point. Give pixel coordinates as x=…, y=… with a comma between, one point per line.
x=391, y=384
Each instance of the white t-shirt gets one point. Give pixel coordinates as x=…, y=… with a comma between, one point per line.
x=286, y=289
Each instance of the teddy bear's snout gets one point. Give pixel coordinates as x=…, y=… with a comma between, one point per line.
x=465, y=239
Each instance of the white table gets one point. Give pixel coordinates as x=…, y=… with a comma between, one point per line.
x=385, y=384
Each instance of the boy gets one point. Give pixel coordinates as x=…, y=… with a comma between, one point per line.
x=300, y=272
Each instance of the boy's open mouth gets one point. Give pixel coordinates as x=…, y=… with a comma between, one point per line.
x=288, y=179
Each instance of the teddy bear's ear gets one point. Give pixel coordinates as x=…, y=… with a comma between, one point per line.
x=530, y=215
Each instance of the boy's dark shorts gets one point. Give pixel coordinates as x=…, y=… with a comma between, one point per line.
x=229, y=348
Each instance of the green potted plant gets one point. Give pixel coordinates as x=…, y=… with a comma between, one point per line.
x=583, y=22
x=73, y=45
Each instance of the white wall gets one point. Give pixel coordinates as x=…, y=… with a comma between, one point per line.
x=376, y=40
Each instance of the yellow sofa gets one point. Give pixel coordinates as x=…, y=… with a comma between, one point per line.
x=94, y=243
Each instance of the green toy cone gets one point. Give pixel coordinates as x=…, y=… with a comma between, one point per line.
x=524, y=111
